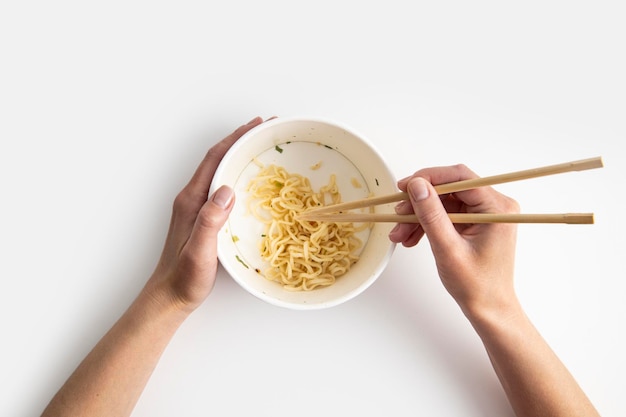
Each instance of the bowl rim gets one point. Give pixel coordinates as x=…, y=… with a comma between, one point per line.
x=380, y=266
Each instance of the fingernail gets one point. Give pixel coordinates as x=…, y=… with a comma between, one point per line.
x=400, y=206
x=252, y=121
x=223, y=196
x=417, y=189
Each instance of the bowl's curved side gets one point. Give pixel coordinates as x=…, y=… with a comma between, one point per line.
x=359, y=152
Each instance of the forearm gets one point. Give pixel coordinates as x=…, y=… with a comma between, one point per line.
x=533, y=377
x=111, y=378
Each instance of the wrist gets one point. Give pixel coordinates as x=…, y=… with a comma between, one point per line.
x=495, y=315
x=162, y=299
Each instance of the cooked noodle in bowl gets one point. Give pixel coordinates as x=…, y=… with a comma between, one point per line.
x=280, y=169
x=301, y=255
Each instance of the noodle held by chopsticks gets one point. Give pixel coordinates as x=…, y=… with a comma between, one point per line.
x=302, y=255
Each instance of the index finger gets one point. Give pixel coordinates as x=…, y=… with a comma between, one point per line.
x=449, y=174
x=440, y=175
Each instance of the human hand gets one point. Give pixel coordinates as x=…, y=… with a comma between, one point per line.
x=475, y=261
x=104, y=384
x=186, y=270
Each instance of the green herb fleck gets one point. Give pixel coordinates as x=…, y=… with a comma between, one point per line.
x=235, y=238
x=242, y=262
x=376, y=181
x=278, y=184
x=278, y=149
x=329, y=147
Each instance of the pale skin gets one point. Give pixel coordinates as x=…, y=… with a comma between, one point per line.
x=475, y=263
x=111, y=378
x=476, y=266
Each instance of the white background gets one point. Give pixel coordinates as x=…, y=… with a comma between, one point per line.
x=106, y=108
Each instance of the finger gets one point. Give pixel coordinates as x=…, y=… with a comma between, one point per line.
x=404, y=207
x=440, y=175
x=202, y=243
x=194, y=195
x=414, y=237
x=481, y=199
x=432, y=216
x=201, y=180
x=410, y=234
x=407, y=234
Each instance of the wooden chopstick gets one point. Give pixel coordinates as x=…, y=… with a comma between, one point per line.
x=569, y=218
x=457, y=186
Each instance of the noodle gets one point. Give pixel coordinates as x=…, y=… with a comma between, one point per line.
x=302, y=255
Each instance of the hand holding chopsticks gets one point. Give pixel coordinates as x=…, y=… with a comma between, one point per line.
x=335, y=213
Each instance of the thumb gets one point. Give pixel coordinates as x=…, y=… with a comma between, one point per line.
x=432, y=215
x=210, y=220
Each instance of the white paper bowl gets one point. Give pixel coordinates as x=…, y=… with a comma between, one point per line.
x=297, y=144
